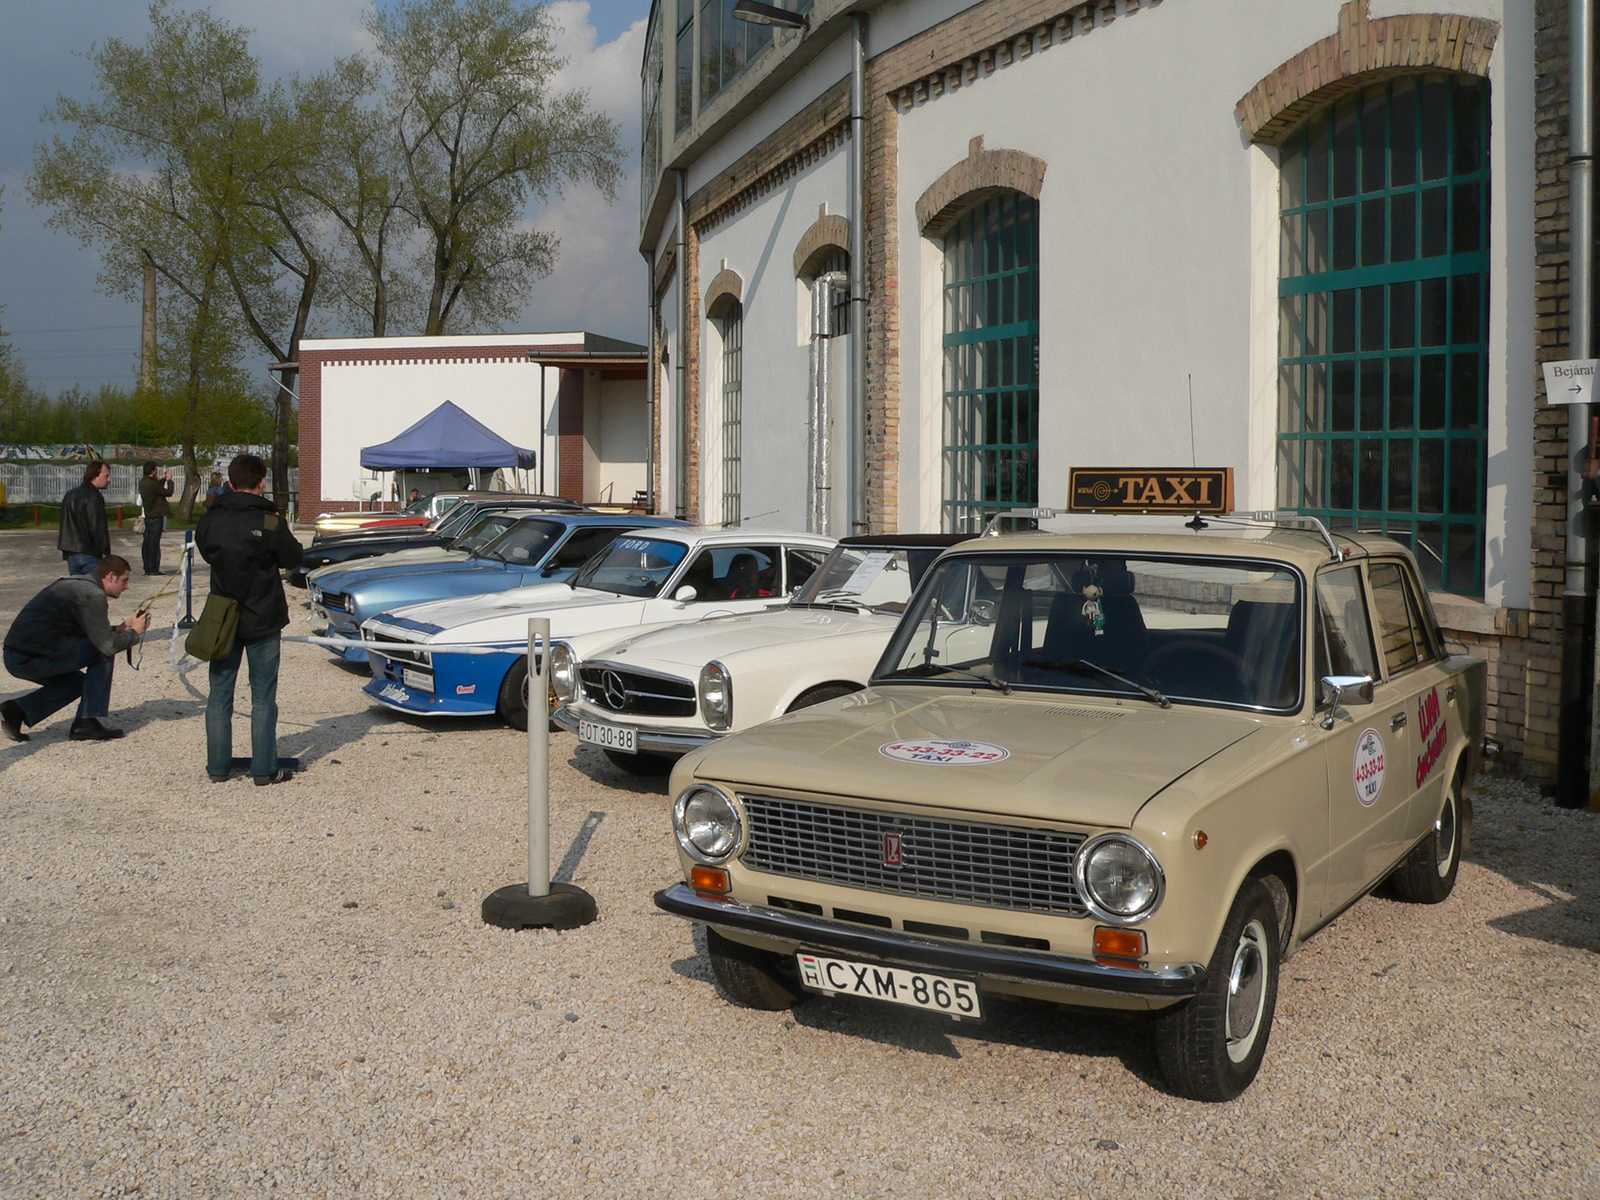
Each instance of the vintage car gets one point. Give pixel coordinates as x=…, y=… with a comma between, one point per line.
x=655, y=695
x=646, y=577
x=1125, y=770
x=439, y=532
x=534, y=549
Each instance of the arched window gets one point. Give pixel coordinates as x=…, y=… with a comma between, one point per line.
x=991, y=360
x=729, y=321
x=1383, y=320
x=828, y=261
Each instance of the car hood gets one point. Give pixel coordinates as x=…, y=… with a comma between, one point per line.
x=337, y=577
x=1066, y=759
x=693, y=644
x=501, y=615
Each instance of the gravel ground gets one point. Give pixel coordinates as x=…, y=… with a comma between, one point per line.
x=220, y=990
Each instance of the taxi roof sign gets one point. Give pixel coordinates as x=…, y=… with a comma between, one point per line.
x=1150, y=490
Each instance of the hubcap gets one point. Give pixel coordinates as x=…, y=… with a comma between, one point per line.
x=1247, y=992
x=1444, y=840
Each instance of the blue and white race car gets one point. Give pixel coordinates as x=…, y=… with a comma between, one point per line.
x=535, y=549
x=647, y=577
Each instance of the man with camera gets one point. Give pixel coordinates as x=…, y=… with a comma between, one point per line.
x=64, y=641
x=154, y=489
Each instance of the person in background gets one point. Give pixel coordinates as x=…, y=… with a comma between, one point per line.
x=247, y=544
x=217, y=488
x=415, y=496
x=84, y=539
x=153, y=492
x=63, y=641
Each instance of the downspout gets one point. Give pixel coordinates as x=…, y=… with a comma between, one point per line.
x=1574, y=766
x=680, y=467
x=651, y=382
x=856, y=512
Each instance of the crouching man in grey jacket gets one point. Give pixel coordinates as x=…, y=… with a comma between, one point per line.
x=63, y=640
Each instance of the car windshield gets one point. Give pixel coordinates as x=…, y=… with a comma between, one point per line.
x=879, y=578
x=419, y=508
x=1205, y=630
x=633, y=566
x=525, y=543
x=483, y=530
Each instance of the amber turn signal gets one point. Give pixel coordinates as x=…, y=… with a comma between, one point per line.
x=708, y=879
x=1118, y=943
x=1200, y=839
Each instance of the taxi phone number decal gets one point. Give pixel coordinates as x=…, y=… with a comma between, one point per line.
x=941, y=752
x=1369, y=767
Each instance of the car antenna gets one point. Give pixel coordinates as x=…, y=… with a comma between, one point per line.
x=1195, y=522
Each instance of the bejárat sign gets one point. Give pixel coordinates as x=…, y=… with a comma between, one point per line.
x=1141, y=490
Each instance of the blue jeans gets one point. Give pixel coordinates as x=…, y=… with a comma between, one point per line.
x=83, y=675
x=263, y=654
x=82, y=564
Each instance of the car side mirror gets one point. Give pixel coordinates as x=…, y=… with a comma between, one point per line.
x=1338, y=691
x=686, y=594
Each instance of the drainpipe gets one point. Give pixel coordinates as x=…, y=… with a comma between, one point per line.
x=680, y=468
x=651, y=381
x=856, y=518
x=1574, y=765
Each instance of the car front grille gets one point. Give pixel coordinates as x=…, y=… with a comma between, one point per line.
x=1000, y=866
x=640, y=695
x=420, y=657
x=336, y=600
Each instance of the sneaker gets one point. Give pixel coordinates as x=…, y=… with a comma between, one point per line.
x=89, y=729
x=281, y=775
x=12, y=719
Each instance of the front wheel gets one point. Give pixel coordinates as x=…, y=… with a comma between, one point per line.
x=750, y=977
x=1428, y=874
x=513, y=703
x=1211, y=1045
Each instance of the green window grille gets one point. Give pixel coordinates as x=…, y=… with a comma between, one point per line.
x=1384, y=318
x=991, y=361
x=731, y=324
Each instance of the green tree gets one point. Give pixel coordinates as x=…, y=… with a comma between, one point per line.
x=480, y=133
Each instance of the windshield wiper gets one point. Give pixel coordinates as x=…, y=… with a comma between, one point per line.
x=1084, y=666
x=924, y=669
x=838, y=604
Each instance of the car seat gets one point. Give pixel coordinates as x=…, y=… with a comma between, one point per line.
x=743, y=581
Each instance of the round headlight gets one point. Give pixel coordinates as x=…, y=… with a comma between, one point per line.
x=707, y=824
x=1119, y=879
x=716, y=695
x=563, y=672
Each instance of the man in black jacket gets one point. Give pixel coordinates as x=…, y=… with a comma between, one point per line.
x=247, y=544
x=63, y=640
x=84, y=539
x=154, y=489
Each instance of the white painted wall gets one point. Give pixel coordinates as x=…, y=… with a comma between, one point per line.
x=1159, y=252
x=759, y=243
x=618, y=436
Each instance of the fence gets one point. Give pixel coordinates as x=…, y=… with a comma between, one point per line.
x=38, y=483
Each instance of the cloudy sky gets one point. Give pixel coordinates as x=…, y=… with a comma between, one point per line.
x=66, y=332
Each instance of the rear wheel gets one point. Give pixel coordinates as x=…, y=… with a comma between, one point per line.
x=823, y=691
x=750, y=977
x=1428, y=873
x=1211, y=1045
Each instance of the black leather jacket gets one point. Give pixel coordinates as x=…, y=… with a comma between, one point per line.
x=83, y=523
x=245, y=557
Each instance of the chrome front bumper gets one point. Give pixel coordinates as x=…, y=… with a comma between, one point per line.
x=912, y=950
x=649, y=741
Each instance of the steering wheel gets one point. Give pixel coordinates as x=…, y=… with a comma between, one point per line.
x=1219, y=658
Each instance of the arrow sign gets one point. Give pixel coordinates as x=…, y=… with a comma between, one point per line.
x=1570, y=381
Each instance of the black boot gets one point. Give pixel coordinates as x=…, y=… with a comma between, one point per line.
x=89, y=729
x=12, y=719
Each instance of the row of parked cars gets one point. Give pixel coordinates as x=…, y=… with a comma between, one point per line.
x=1124, y=770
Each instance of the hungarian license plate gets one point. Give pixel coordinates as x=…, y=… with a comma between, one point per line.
x=915, y=989
x=420, y=680
x=612, y=737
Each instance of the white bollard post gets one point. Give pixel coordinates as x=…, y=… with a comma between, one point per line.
x=539, y=757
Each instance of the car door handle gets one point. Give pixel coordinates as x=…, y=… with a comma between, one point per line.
x=1397, y=722
x=1450, y=692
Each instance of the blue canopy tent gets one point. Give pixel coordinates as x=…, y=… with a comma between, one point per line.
x=446, y=439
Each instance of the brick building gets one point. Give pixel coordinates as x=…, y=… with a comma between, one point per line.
x=590, y=391
x=1322, y=243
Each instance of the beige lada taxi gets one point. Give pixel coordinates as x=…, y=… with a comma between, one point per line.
x=1120, y=770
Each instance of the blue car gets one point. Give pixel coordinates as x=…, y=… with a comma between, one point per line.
x=541, y=548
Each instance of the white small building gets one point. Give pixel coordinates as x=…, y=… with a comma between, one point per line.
x=576, y=399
